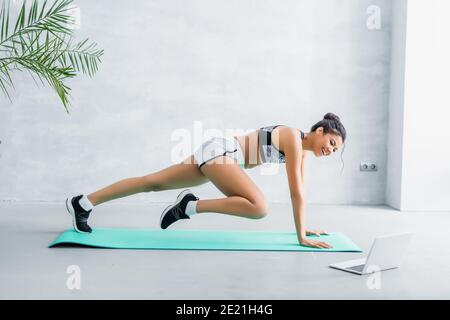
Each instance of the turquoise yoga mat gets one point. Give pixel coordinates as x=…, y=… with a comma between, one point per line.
x=200, y=240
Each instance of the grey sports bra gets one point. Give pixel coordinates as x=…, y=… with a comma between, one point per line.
x=267, y=151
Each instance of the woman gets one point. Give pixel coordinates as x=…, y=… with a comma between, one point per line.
x=221, y=161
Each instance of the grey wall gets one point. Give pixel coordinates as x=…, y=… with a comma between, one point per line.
x=228, y=64
x=396, y=106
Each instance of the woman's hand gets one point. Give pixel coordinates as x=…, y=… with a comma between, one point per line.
x=314, y=243
x=315, y=233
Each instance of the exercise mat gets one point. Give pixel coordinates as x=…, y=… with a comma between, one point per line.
x=118, y=238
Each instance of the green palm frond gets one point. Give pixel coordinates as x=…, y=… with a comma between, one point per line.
x=42, y=44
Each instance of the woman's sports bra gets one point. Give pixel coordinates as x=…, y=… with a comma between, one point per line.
x=267, y=151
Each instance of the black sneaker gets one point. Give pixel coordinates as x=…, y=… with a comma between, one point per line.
x=79, y=215
x=177, y=210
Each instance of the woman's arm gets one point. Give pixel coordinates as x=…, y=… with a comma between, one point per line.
x=303, y=166
x=291, y=145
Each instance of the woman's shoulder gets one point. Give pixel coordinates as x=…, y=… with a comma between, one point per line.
x=289, y=131
x=289, y=138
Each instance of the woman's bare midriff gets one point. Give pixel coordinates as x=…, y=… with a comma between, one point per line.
x=250, y=145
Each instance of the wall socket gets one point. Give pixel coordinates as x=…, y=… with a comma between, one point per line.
x=368, y=166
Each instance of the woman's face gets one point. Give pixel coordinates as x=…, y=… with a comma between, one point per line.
x=325, y=144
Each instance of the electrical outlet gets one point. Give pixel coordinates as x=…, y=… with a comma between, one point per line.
x=368, y=166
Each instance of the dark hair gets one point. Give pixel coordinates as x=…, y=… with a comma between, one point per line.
x=332, y=124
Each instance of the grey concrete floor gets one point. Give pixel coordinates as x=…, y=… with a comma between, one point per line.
x=30, y=270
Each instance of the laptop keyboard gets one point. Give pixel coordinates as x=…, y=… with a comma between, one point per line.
x=359, y=268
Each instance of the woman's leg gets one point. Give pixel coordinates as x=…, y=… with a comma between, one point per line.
x=180, y=175
x=243, y=199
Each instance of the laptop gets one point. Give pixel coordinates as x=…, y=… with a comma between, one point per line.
x=386, y=253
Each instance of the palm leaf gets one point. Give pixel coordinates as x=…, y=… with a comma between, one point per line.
x=54, y=76
x=5, y=80
x=42, y=44
x=4, y=18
